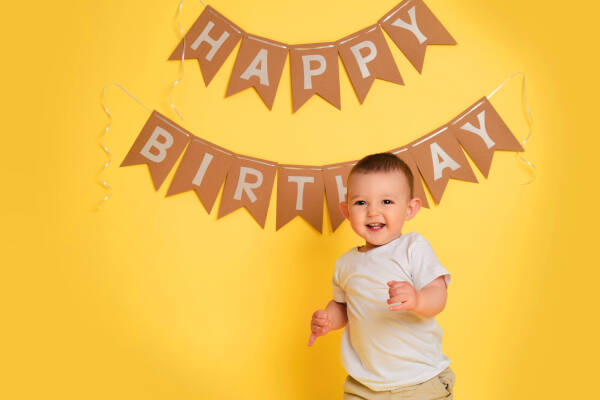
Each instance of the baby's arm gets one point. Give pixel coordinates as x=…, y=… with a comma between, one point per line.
x=426, y=302
x=331, y=318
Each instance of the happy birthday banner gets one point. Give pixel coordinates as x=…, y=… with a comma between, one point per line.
x=248, y=182
x=314, y=67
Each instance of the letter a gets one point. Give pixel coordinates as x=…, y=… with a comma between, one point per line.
x=263, y=75
x=446, y=161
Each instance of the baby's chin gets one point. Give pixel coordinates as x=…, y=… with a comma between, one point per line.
x=376, y=242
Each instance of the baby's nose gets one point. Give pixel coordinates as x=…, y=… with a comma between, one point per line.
x=372, y=210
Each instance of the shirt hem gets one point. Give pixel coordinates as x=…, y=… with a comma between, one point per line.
x=393, y=386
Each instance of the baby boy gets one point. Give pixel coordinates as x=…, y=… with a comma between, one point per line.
x=387, y=292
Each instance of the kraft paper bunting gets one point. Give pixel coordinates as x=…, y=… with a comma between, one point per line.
x=335, y=177
x=203, y=168
x=366, y=56
x=249, y=184
x=159, y=145
x=313, y=67
x=403, y=153
x=481, y=131
x=300, y=191
x=211, y=39
x=439, y=158
x=259, y=64
x=435, y=158
x=413, y=27
x=314, y=70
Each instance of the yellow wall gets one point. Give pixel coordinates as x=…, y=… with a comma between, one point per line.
x=151, y=298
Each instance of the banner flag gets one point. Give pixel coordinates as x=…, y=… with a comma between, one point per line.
x=211, y=39
x=435, y=158
x=300, y=191
x=249, y=183
x=481, y=131
x=314, y=70
x=366, y=56
x=335, y=177
x=203, y=169
x=439, y=158
x=413, y=27
x=259, y=64
x=159, y=145
x=403, y=153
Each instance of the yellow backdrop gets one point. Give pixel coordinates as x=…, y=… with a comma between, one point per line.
x=151, y=298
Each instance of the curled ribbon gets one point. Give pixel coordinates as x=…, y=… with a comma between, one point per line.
x=106, y=129
x=182, y=70
x=528, y=118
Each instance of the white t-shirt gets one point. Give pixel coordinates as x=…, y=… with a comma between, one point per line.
x=386, y=349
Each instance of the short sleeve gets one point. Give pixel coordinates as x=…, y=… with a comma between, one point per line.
x=425, y=265
x=338, y=293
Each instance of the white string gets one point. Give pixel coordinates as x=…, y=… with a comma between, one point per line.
x=256, y=161
x=395, y=11
x=529, y=118
x=430, y=136
x=182, y=69
x=106, y=129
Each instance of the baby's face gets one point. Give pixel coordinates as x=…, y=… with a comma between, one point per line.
x=378, y=204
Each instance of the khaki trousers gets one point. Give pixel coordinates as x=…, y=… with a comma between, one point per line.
x=439, y=387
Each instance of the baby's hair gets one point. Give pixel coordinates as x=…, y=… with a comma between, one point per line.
x=384, y=162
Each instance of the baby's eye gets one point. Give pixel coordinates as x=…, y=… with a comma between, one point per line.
x=359, y=203
x=388, y=202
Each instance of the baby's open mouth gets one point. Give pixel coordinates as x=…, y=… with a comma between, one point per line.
x=375, y=226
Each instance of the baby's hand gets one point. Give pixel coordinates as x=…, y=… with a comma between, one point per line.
x=319, y=325
x=402, y=292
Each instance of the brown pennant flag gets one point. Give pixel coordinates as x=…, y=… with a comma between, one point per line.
x=335, y=177
x=203, y=169
x=403, y=153
x=159, y=145
x=413, y=27
x=211, y=39
x=259, y=63
x=367, y=56
x=300, y=191
x=314, y=69
x=249, y=183
x=481, y=131
x=439, y=158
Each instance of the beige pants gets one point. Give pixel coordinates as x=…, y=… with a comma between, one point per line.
x=439, y=387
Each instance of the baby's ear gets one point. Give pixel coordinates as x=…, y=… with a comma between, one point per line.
x=414, y=205
x=344, y=208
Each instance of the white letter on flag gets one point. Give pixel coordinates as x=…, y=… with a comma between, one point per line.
x=242, y=185
x=215, y=45
x=261, y=58
x=300, y=180
x=447, y=162
x=412, y=26
x=309, y=73
x=160, y=146
x=481, y=131
x=362, y=61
